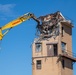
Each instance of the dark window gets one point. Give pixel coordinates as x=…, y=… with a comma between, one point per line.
x=38, y=64
x=63, y=63
x=71, y=65
x=62, y=31
x=52, y=50
x=55, y=49
x=38, y=47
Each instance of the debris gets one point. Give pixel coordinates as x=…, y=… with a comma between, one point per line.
x=49, y=26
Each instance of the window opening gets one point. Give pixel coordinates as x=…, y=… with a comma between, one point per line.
x=62, y=31
x=38, y=64
x=55, y=49
x=52, y=50
x=38, y=47
x=63, y=63
x=63, y=46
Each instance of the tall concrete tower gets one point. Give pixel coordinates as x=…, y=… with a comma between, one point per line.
x=52, y=50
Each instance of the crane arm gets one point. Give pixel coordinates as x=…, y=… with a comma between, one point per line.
x=15, y=23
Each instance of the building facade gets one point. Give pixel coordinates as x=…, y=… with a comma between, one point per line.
x=52, y=51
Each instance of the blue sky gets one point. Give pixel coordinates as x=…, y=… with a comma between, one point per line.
x=15, y=49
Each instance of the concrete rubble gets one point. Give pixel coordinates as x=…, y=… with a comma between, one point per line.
x=49, y=25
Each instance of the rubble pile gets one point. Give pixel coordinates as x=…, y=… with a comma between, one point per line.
x=49, y=24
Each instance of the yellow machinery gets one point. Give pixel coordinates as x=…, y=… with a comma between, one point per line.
x=16, y=22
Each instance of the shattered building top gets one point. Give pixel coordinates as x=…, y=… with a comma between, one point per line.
x=49, y=24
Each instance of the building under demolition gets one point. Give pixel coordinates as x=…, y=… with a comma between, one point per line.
x=52, y=50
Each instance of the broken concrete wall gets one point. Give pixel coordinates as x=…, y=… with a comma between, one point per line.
x=49, y=24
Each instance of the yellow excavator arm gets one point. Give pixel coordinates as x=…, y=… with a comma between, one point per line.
x=15, y=23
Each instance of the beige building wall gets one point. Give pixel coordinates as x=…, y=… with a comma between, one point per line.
x=51, y=65
x=67, y=38
x=44, y=43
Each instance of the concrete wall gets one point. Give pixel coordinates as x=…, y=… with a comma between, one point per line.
x=67, y=37
x=50, y=66
x=44, y=47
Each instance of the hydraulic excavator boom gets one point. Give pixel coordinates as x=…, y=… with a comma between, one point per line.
x=16, y=22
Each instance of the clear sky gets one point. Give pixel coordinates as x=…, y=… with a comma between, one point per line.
x=15, y=49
